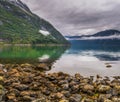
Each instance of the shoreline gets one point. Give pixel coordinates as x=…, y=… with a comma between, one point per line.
x=35, y=44
x=30, y=83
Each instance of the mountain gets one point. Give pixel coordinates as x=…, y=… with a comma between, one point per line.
x=107, y=34
x=107, y=37
x=19, y=25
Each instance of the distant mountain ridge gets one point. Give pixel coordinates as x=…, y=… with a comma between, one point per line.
x=103, y=38
x=19, y=25
x=107, y=33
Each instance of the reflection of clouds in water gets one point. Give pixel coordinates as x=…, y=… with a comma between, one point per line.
x=85, y=58
x=44, y=58
x=92, y=53
x=85, y=65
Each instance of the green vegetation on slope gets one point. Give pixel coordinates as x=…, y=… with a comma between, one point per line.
x=21, y=26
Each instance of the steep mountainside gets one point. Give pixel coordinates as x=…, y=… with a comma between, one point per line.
x=19, y=25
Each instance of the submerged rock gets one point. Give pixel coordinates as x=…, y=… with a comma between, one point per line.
x=108, y=65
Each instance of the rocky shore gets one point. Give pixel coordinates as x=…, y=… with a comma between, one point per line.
x=31, y=83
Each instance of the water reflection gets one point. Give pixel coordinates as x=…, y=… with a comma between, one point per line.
x=100, y=51
x=83, y=58
x=87, y=66
x=30, y=54
x=89, y=59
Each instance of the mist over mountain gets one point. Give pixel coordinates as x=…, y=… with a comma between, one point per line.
x=107, y=37
x=107, y=34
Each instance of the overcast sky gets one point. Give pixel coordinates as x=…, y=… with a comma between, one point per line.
x=78, y=17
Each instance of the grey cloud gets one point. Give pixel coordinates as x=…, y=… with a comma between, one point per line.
x=78, y=16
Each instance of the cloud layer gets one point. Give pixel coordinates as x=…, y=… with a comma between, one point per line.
x=78, y=17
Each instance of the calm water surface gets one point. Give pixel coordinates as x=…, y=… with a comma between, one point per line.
x=87, y=59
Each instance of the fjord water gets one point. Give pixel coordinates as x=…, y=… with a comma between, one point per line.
x=84, y=58
x=89, y=59
x=29, y=54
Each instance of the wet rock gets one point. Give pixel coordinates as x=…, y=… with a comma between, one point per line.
x=114, y=92
x=108, y=65
x=59, y=95
x=14, y=72
x=11, y=96
x=104, y=96
x=103, y=88
x=85, y=80
x=91, y=78
x=116, y=77
x=27, y=80
x=26, y=98
x=85, y=99
x=21, y=87
x=26, y=65
x=46, y=92
x=51, y=78
x=78, y=76
x=25, y=93
x=66, y=93
x=1, y=80
x=63, y=100
x=74, y=89
x=107, y=100
x=1, y=87
x=43, y=99
x=115, y=99
x=27, y=70
x=2, y=72
x=15, y=91
x=117, y=87
x=88, y=87
x=75, y=98
x=34, y=86
x=42, y=66
x=98, y=76
x=65, y=86
x=10, y=82
x=63, y=82
x=1, y=66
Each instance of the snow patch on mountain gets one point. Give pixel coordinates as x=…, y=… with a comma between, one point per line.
x=46, y=33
